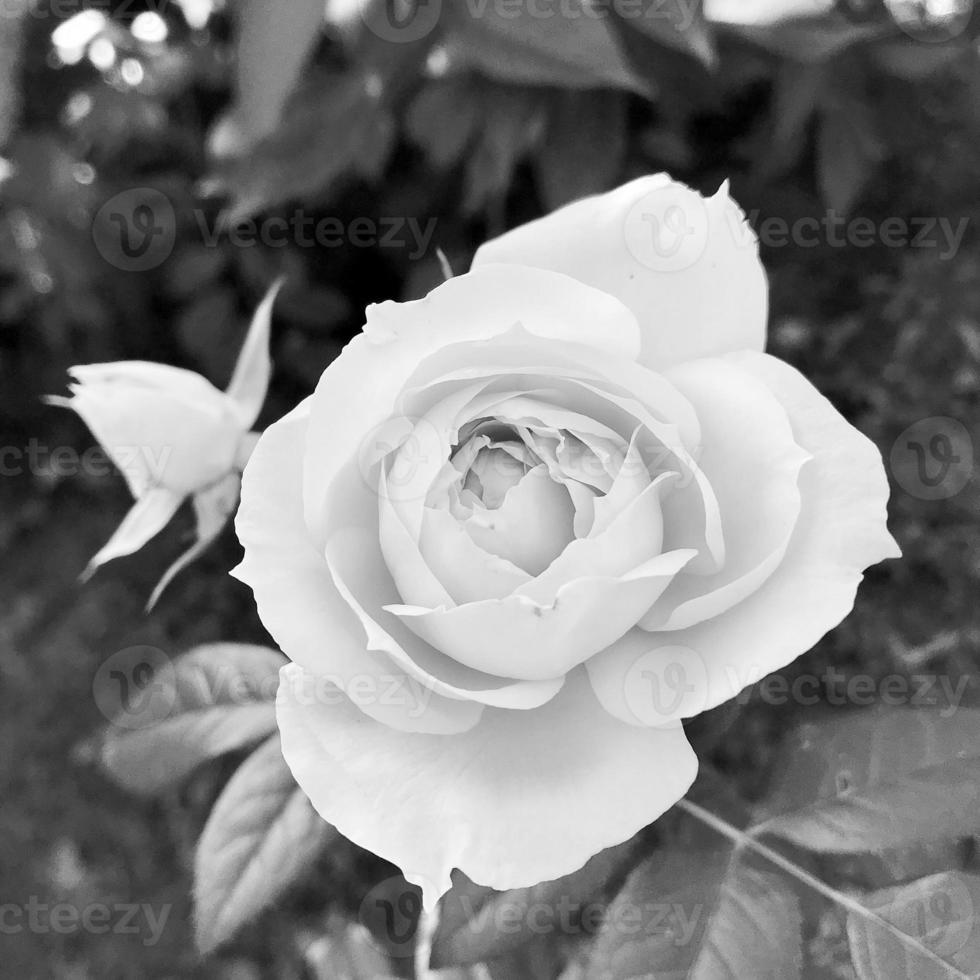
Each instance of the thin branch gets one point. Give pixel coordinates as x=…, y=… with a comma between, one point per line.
x=744, y=841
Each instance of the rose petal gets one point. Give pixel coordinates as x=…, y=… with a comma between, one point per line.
x=364, y=382
x=752, y=463
x=532, y=525
x=178, y=382
x=517, y=637
x=700, y=292
x=631, y=538
x=359, y=575
x=299, y=604
x=522, y=798
x=841, y=530
x=468, y=572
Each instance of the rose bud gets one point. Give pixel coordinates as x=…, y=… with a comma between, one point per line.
x=173, y=435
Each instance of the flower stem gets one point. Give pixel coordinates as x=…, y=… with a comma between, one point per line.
x=744, y=841
x=424, y=934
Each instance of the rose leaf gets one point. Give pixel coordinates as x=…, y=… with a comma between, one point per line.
x=214, y=699
x=260, y=837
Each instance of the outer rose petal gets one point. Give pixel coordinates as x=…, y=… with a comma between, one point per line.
x=298, y=602
x=364, y=382
x=523, y=797
x=709, y=299
x=183, y=439
x=840, y=532
x=752, y=463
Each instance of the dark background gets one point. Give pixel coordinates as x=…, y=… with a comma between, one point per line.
x=852, y=111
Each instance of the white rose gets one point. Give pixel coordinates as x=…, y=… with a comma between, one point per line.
x=526, y=524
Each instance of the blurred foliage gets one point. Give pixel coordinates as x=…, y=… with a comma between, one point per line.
x=472, y=120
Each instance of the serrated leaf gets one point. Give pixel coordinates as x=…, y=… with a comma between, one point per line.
x=479, y=924
x=701, y=914
x=584, y=145
x=261, y=836
x=218, y=698
x=574, y=49
x=876, y=779
x=939, y=911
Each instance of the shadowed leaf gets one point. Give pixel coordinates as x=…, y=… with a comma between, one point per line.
x=261, y=836
x=219, y=698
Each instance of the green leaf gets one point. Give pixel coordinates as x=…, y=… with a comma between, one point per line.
x=336, y=124
x=876, y=779
x=939, y=911
x=584, y=146
x=575, y=48
x=261, y=836
x=513, y=122
x=215, y=699
x=273, y=43
x=700, y=914
x=478, y=924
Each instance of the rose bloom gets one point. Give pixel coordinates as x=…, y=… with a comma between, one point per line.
x=527, y=524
